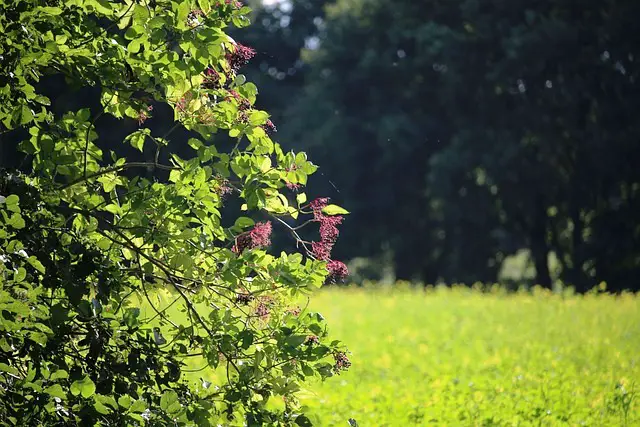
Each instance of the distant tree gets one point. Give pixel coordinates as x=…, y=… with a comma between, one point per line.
x=465, y=130
x=370, y=113
x=550, y=118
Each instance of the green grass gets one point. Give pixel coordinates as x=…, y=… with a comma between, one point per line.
x=459, y=357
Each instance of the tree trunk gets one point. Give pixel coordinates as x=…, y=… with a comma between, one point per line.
x=539, y=245
x=577, y=277
x=429, y=275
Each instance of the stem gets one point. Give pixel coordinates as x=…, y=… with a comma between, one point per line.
x=295, y=234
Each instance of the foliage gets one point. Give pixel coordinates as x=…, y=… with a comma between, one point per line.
x=477, y=129
x=90, y=238
x=468, y=357
x=279, y=34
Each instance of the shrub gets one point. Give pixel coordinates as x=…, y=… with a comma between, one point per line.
x=115, y=282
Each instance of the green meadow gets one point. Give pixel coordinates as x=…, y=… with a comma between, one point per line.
x=462, y=357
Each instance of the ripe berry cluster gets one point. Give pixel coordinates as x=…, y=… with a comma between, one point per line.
x=237, y=57
x=328, y=235
x=240, y=56
x=244, y=298
x=312, y=339
x=342, y=362
x=259, y=236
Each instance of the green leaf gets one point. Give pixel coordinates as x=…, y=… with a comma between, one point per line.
x=59, y=374
x=169, y=402
x=131, y=315
x=16, y=221
x=109, y=182
x=295, y=340
x=133, y=32
x=239, y=80
x=182, y=261
x=101, y=408
x=195, y=143
x=265, y=164
x=56, y=391
x=35, y=263
x=307, y=370
x=134, y=46
x=113, y=208
x=246, y=337
x=13, y=203
x=106, y=401
x=10, y=369
x=334, y=210
x=84, y=387
x=244, y=222
x=174, y=175
x=257, y=117
x=42, y=100
x=38, y=337
x=49, y=10
x=103, y=6
x=138, y=406
x=303, y=421
x=33, y=386
x=84, y=114
x=156, y=22
x=19, y=275
x=137, y=138
x=125, y=401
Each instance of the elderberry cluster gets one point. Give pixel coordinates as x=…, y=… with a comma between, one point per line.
x=240, y=56
x=342, y=362
x=312, y=339
x=328, y=235
x=258, y=236
x=244, y=298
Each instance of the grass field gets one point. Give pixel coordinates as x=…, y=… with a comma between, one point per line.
x=459, y=357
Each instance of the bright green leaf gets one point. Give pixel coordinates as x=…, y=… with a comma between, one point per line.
x=35, y=263
x=84, y=387
x=334, y=210
x=169, y=402
x=19, y=275
x=56, y=391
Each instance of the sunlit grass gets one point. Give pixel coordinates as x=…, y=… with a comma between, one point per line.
x=465, y=358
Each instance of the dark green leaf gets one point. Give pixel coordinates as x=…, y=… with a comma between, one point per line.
x=303, y=421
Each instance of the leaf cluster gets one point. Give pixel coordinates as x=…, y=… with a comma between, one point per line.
x=122, y=299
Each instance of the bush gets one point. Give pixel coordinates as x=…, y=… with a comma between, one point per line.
x=118, y=274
